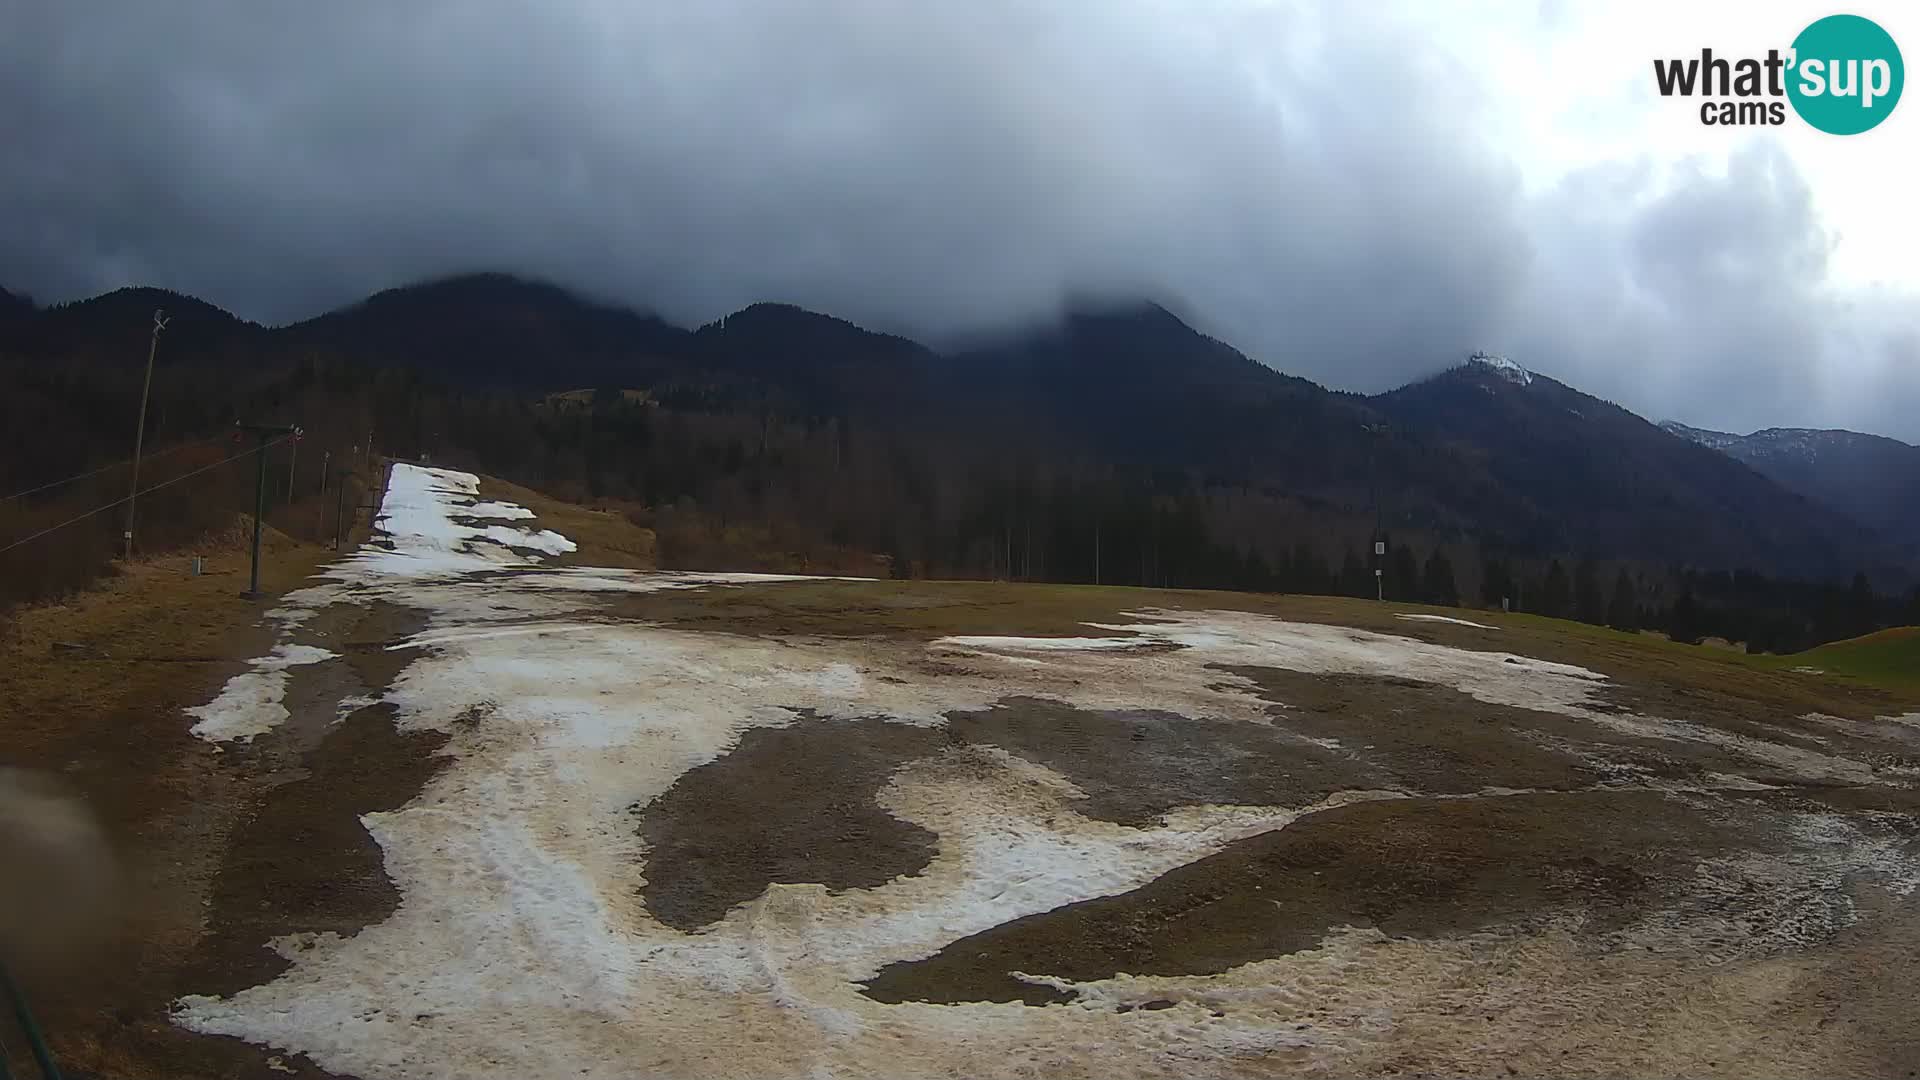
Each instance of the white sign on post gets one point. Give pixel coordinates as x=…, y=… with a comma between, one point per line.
x=1379, y=547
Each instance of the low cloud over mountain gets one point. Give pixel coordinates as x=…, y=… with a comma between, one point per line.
x=1335, y=195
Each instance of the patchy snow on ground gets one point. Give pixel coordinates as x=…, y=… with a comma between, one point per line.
x=993, y=643
x=420, y=537
x=417, y=538
x=249, y=705
x=521, y=947
x=492, y=509
x=1808, y=763
x=1444, y=619
x=545, y=540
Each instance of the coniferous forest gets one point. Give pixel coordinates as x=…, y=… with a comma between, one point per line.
x=1117, y=447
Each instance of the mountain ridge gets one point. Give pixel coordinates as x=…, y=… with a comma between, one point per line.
x=1485, y=452
x=1872, y=478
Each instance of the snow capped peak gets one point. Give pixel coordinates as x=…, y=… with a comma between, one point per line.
x=1503, y=367
x=1714, y=440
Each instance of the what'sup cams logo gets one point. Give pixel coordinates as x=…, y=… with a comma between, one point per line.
x=1843, y=75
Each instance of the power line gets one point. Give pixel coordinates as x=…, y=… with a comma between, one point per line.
x=156, y=487
x=109, y=465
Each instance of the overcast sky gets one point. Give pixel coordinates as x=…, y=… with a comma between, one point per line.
x=1356, y=199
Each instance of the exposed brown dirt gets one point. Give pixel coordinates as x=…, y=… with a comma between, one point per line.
x=787, y=805
x=218, y=849
x=1413, y=867
x=1418, y=736
x=225, y=849
x=302, y=861
x=107, y=718
x=367, y=637
x=797, y=804
x=1135, y=765
x=1428, y=738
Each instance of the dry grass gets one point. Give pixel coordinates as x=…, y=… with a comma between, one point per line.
x=91, y=689
x=930, y=609
x=605, y=534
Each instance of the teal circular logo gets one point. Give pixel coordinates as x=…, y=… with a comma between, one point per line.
x=1846, y=75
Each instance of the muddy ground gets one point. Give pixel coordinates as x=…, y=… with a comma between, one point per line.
x=1407, y=867
x=1493, y=827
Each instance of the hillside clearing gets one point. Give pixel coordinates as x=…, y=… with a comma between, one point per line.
x=530, y=818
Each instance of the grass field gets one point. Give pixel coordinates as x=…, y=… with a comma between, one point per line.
x=1890, y=658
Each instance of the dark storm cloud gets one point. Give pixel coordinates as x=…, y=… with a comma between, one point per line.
x=1317, y=190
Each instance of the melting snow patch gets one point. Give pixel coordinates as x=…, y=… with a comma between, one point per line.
x=521, y=946
x=490, y=509
x=422, y=539
x=351, y=704
x=1443, y=618
x=249, y=705
x=1809, y=763
x=520, y=868
x=545, y=540
x=1030, y=644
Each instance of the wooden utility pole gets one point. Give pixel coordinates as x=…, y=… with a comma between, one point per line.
x=140, y=428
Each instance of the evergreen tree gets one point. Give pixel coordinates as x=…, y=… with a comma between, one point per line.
x=1623, y=613
x=1437, y=585
x=1256, y=575
x=1556, y=593
x=1683, y=622
x=1587, y=606
x=1286, y=577
x=1496, y=583
x=1355, y=579
x=1310, y=573
x=1862, y=618
x=1403, y=575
